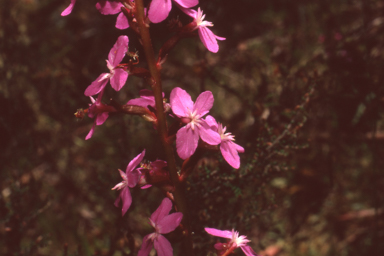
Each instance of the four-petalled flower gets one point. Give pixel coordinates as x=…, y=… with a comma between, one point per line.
x=163, y=223
x=234, y=242
x=206, y=35
x=191, y=114
x=117, y=76
x=130, y=179
x=229, y=149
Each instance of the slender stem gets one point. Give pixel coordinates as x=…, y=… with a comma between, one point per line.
x=180, y=199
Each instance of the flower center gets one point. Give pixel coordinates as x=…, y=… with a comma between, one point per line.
x=200, y=22
x=223, y=135
x=194, y=119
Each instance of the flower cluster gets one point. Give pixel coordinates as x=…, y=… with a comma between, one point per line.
x=191, y=122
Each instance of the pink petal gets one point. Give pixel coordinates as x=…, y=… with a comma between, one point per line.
x=122, y=21
x=100, y=118
x=248, y=250
x=211, y=121
x=208, y=135
x=162, y=211
x=109, y=7
x=89, y=135
x=187, y=3
x=229, y=152
x=239, y=148
x=141, y=102
x=186, y=141
x=208, y=39
x=146, y=186
x=163, y=246
x=96, y=86
x=190, y=12
x=146, y=246
x=133, y=178
x=118, y=79
x=159, y=10
x=181, y=102
x=170, y=222
x=126, y=198
x=203, y=103
x=69, y=9
x=219, y=233
x=135, y=161
x=117, y=53
x=147, y=94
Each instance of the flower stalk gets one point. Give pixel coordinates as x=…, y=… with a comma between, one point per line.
x=179, y=195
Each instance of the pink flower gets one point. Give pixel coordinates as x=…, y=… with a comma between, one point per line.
x=229, y=149
x=93, y=111
x=69, y=9
x=110, y=8
x=191, y=114
x=206, y=35
x=163, y=223
x=235, y=240
x=159, y=9
x=130, y=179
x=147, y=99
x=117, y=76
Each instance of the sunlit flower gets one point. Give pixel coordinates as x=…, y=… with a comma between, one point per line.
x=191, y=114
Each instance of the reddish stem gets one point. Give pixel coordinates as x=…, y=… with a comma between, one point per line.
x=179, y=196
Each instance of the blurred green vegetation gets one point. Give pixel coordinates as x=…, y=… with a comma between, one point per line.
x=300, y=84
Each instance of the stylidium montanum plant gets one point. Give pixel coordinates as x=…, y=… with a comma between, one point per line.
x=152, y=106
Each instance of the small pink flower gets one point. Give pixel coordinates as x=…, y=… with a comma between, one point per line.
x=69, y=9
x=229, y=149
x=206, y=35
x=235, y=240
x=110, y=8
x=191, y=114
x=93, y=111
x=159, y=9
x=130, y=179
x=163, y=223
x=117, y=76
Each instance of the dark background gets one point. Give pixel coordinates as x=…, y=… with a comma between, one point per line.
x=300, y=84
